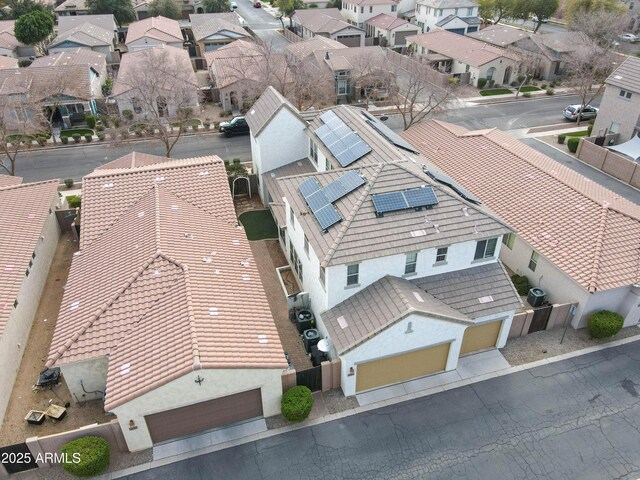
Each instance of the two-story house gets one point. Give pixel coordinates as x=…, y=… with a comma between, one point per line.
x=357, y=12
x=457, y=16
x=154, y=31
x=401, y=270
x=620, y=107
x=329, y=23
x=93, y=32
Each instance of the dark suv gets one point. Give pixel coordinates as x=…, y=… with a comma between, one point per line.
x=237, y=126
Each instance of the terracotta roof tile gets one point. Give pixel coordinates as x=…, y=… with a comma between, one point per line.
x=21, y=227
x=160, y=28
x=589, y=232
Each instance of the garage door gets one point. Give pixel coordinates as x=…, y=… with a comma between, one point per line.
x=350, y=40
x=403, y=367
x=401, y=38
x=480, y=337
x=459, y=31
x=204, y=416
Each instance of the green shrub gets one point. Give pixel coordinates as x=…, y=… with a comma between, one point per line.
x=296, y=403
x=91, y=121
x=453, y=80
x=492, y=82
x=100, y=135
x=104, y=119
x=106, y=87
x=527, y=94
x=604, y=324
x=482, y=82
x=74, y=201
x=561, y=139
x=521, y=282
x=99, y=128
x=116, y=121
x=543, y=86
x=514, y=84
x=589, y=129
x=88, y=137
x=68, y=182
x=64, y=140
x=550, y=91
x=554, y=83
x=128, y=114
x=24, y=63
x=76, y=137
x=90, y=453
x=206, y=124
x=572, y=144
x=520, y=78
x=313, y=5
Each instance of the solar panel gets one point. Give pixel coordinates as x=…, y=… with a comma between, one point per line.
x=326, y=117
x=450, y=182
x=317, y=200
x=389, y=134
x=309, y=186
x=421, y=197
x=345, y=144
x=352, y=180
x=389, y=202
x=327, y=216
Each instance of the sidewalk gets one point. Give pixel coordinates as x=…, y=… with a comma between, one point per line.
x=361, y=409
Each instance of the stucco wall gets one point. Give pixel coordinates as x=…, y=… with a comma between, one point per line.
x=430, y=19
x=359, y=14
x=184, y=391
x=124, y=103
x=624, y=300
x=16, y=333
x=93, y=375
x=615, y=108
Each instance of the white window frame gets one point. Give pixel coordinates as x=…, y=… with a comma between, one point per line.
x=411, y=263
x=353, y=278
x=306, y=245
x=323, y=275
x=292, y=218
x=441, y=254
x=508, y=240
x=493, y=242
x=533, y=261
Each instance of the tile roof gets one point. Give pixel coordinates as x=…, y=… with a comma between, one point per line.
x=157, y=293
x=449, y=296
x=499, y=35
x=7, y=37
x=326, y=20
x=9, y=180
x=269, y=180
x=21, y=226
x=72, y=5
x=159, y=28
x=8, y=62
x=77, y=56
x=459, y=47
x=303, y=49
x=133, y=63
x=587, y=231
x=467, y=20
x=372, y=2
x=215, y=22
x=85, y=34
x=105, y=21
x=359, y=60
x=386, y=22
x=362, y=235
x=627, y=75
x=448, y=3
x=133, y=160
x=265, y=108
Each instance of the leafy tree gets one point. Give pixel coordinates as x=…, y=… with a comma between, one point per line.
x=165, y=8
x=34, y=29
x=492, y=11
x=335, y=4
x=122, y=10
x=576, y=7
x=287, y=8
x=542, y=9
x=216, y=6
x=13, y=9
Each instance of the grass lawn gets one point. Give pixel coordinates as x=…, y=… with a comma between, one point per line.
x=259, y=224
x=189, y=123
x=581, y=133
x=495, y=91
x=28, y=138
x=69, y=132
x=529, y=89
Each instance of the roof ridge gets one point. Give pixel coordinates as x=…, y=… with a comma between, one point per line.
x=593, y=280
x=156, y=192
x=195, y=348
x=195, y=161
x=345, y=225
x=31, y=184
x=391, y=279
x=102, y=309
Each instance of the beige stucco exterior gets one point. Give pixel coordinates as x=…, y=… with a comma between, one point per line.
x=185, y=391
x=93, y=375
x=616, y=108
x=14, y=337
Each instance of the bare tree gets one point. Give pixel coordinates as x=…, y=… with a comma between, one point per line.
x=602, y=27
x=21, y=122
x=372, y=76
x=309, y=85
x=161, y=89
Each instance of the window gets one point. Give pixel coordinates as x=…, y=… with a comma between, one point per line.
x=352, y=274
x=135, y=103
x=327, y=164
x=342, y=87
x=533, y=261
x=282, y=236
x=556, y=70
x=455, y=11
x=441, y=254
x=410, y=263
x=470, y=12
x=467, y=68
x=322, y=276
x=508, y=240
x=439, y=12
x=306, y=245
x=370, y=9
x=615, y=126
x=624, y=94
x=361, y=9
x=295, y=261
x=394, y=8
x=292, y=219
x=485, y=248
x=313, y=151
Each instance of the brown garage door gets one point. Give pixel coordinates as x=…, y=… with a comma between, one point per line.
x=403, y=367
x=204, y=415
x=350, y=40
x=480, y=337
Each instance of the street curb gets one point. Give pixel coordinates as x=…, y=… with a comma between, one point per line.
x=521, y=98
x=362, y=409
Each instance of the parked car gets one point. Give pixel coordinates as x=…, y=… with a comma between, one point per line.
x=234, y=5
x=535, y=19
x=629, y=37
x=237, y=126
x=257, y=5
x=572, y=112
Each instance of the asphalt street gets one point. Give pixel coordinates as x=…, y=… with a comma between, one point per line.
x=76, y=161
x=575, y=419
x=263, y=24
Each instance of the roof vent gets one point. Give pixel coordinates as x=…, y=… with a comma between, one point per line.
x=74, y=306
x=465, y=211
x=159, y=179
x=31, y=216
x=216, y=271
x=235, y=242
x=327, y=56
x=342, y=322
x=125, y=369
x=418, y=297
x=246, y=278
x=213, y=311
x=418, y=233
x=107, y=185
x=207, y=260
x=140, y=214
x=204, y=173
x=253, y=111
x=262, y=339
x=435, y=225
x=174, y=207
x=8, y=268
x=188, y=235
x=487, y=299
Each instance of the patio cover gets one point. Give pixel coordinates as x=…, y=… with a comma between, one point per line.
x=631, y=148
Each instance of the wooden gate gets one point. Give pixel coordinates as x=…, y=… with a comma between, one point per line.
x=310, y=378
x=540, y=318
x=17, y=458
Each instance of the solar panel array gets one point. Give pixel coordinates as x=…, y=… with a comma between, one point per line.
x=450, y=182
x=345, y=144
x=389, y=134
x=418, y=198
x=320, y=199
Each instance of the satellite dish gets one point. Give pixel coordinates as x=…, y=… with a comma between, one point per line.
x=324, y=345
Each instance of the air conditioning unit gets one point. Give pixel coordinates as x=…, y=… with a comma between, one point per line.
x=304, y=320
x=536, y=297
x=310, y=338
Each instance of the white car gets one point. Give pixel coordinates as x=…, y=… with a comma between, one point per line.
x=234, y=5
x=629, y=37
x=535, y=19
